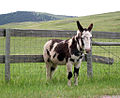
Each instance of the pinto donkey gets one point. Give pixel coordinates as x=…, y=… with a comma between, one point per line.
x=69, y=52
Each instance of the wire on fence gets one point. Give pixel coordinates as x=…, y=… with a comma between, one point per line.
x=26, y=47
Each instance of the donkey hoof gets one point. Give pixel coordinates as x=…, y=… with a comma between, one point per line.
x=69, y=83
x=76, y=84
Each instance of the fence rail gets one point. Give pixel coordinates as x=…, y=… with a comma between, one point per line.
x=7, y=58
x=39, y=58
x=106, y=43
x=57, y=33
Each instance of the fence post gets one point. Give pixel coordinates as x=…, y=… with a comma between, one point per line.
x=7, y=55
x=89, y=63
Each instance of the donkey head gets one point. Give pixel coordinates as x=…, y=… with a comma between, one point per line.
x=85, y=36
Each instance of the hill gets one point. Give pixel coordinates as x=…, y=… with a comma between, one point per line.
x=109, y=22
x=24, y=16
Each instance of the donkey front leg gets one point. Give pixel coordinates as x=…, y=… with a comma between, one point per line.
x=69, y=70
x=76, y=72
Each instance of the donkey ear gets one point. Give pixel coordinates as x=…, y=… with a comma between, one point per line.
x=79, y=26
x=90, y=27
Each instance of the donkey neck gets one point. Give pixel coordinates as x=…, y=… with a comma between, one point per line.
x=75, y=47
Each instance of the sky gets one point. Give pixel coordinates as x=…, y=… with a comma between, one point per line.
x=61, y=7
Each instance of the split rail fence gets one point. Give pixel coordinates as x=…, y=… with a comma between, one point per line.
x=8, y=33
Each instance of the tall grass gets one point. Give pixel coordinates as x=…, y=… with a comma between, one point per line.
x=29, y=80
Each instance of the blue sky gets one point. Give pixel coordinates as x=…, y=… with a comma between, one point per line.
x=61, y=7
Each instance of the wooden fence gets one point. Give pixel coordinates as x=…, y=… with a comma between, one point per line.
x=7, y=58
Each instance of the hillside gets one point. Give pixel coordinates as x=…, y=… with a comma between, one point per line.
x=24, y=16
x=102, y=22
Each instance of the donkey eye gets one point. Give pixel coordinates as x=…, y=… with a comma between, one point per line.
x=90, y=38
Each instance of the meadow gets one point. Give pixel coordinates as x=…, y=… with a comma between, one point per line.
x=28, y=80
x=109, y=22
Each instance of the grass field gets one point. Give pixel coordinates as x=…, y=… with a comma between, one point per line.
x=28, y=80
x=102, y=22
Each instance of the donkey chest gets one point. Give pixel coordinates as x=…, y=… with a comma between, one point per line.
x=75, y=58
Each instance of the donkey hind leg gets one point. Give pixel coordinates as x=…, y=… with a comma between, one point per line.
x=48, y=71
x=69, y=70
x=50, y=68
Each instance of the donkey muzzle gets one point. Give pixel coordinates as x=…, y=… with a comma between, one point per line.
x=87, y=50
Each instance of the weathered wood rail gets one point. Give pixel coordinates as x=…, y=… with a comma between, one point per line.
x=39, y=58
x=7, y=58
x=57, y=33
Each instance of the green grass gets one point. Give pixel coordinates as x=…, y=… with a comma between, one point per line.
x=29, y=80
x=102, y=22
x=23, y=45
